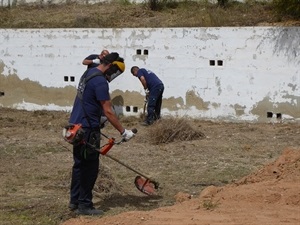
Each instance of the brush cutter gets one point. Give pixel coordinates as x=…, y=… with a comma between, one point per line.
x=74, y=133
x=142, y=182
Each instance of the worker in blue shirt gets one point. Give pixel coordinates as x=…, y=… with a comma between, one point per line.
x=91, y=101
x=154, y=89
x=94, y=60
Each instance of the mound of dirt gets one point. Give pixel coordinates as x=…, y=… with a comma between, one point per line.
x=270, y=195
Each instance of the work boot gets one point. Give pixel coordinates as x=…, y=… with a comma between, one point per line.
x=145, y=123
x=73, y=206
x=89, y=212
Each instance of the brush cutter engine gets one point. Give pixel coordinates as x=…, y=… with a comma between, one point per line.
x=73, y=134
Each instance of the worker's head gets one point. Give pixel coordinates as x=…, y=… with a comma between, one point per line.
x=134, y=70
x=113, y=66
x=103, y=54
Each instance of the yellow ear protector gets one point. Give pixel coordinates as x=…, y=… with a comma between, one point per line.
x=120, y=65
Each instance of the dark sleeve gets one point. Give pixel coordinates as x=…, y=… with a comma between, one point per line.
x=141, y=73
x=102, y=91
x=91, y=57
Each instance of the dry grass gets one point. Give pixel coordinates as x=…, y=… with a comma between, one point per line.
x=124, y=14
x=172, y=129
x=108, y=184
x=36, y=171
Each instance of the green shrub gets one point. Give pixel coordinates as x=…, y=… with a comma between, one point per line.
x=290, y=8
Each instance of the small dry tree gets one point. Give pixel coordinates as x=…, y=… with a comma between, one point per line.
x=173, y=129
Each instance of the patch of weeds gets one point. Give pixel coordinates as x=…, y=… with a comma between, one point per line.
x=51, y=149
x=40, y=113
x=10, y=120
x=173, y=129
x=42, y=177
x=225, y=175
x=124, y=2
x=210, y=205
x=49, y=208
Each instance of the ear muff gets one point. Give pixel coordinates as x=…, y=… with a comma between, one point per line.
x=120, y=65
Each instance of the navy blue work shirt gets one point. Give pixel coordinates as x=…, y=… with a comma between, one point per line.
x=150, y=77
x=96, y=90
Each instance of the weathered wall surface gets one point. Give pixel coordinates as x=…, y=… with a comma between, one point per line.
x=232, y=73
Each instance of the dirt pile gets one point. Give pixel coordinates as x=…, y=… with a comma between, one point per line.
x=270, y=195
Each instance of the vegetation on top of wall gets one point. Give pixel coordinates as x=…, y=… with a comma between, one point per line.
x=288, y=8
x=168, y=13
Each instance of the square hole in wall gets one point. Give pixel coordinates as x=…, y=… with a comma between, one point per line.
x=127, y=108
x=138, y=51
x=269, y=114
x=146, y=52
x=72, y=78
x=278, y=115
x=220, y=62
x=135, y=109
x=212, y=62
x=2, y=93
x=66, y=78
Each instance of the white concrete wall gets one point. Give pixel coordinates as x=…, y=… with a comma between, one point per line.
x=259, y=71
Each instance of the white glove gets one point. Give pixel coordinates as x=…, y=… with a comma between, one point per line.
x=97, y=61
x=146, y=91
x=127, y=135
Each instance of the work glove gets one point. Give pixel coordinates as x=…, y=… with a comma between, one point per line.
x=127, y=135
x=97, y=61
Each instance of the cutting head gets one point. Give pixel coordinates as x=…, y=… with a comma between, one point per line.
x=145, y=185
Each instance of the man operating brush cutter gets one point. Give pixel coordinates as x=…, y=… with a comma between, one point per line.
x=142, y=182
x=92, y=100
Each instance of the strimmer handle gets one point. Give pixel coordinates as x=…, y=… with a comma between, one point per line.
x=107, y=147
x=110, y=144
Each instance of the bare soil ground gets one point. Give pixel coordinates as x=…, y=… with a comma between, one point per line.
x=240, y=173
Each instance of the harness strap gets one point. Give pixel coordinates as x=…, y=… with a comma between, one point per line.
x=80, y=90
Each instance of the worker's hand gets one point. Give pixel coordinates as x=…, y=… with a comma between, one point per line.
x=97, y=61
x=127, y=135
x=147, y=92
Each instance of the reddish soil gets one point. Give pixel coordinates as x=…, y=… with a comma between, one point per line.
x=270, y=195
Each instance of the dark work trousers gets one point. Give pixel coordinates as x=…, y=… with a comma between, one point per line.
x=154, y=103
x=85, y=171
